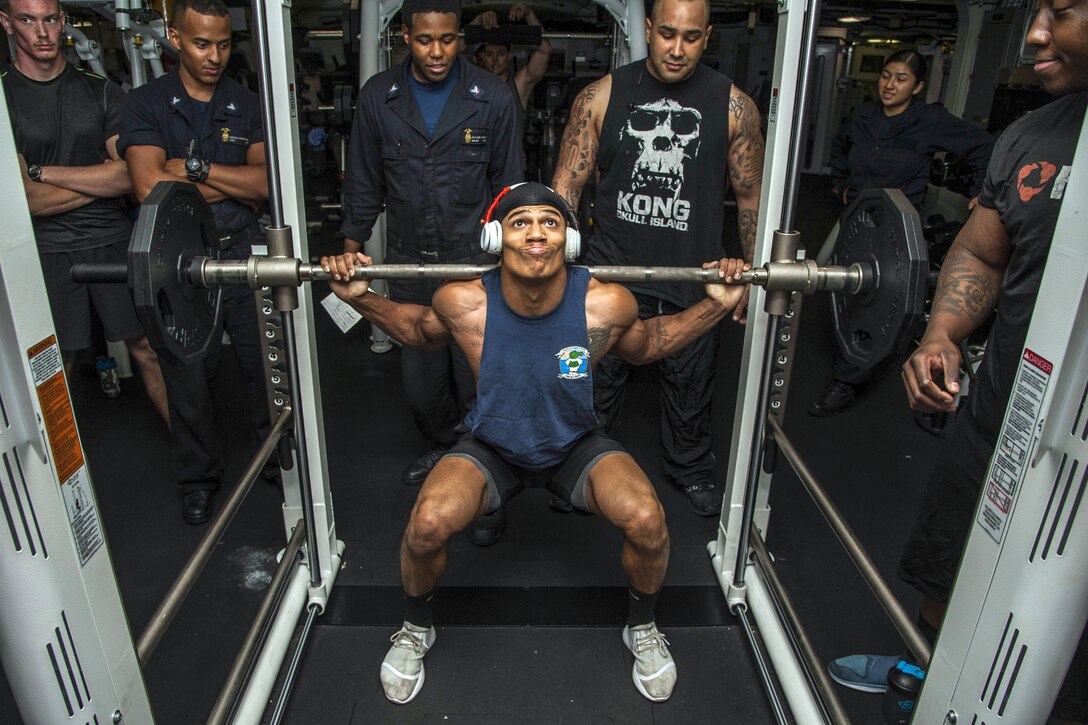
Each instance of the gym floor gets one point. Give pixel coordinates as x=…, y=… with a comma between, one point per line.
x=528, y=630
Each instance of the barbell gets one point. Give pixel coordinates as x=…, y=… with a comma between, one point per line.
x=878, y=284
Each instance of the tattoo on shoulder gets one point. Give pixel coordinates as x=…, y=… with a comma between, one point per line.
x=599, y=338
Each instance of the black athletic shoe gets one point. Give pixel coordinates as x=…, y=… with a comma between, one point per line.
x=837, y=398
x=196, y=507
x=703, y=499
x=416, y=472
x=488, y=529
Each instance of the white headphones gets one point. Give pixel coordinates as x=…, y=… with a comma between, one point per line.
x=491, y=233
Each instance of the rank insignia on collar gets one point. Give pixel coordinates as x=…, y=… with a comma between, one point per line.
x=175, y=101
x=231, y=106
x=475, y=90
x=393, y=89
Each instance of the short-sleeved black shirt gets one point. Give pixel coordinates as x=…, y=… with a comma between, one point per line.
x=66, y=122
x=162, y=114
x=1025, y=184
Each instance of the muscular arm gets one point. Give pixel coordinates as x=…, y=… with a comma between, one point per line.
x=47, y=200
x=101, y=181
x=534, y=69
x=745, y=166
x=644, y=341
x=248, y=182
x=148, y=166
x=413, y=325
x=970, y=278
x=581, y=140
x=967, y=291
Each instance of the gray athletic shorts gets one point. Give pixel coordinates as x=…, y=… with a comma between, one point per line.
x=71, y=301
x=566, y=480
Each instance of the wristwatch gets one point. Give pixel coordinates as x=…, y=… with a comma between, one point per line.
x=197, y=169
x=34, y=171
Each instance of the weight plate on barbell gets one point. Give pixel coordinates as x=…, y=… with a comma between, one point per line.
x=882, y=229
x=175, y=225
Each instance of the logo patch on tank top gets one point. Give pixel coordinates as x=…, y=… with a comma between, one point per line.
x=573, y=362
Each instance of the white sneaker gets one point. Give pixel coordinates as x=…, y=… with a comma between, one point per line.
x=402, y=668
x=654, y=672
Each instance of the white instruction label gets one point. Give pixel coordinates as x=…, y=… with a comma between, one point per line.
x=343, y=314
x=1011, y=457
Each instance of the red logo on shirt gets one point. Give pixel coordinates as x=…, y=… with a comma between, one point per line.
x=1028, y=190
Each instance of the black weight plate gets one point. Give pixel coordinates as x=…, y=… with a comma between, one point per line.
x=881, y=229
x=175, y=225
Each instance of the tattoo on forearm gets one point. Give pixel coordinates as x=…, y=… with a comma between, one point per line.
x=747, y=221
x=578, y=151
x=965, y=291
x=598, y=342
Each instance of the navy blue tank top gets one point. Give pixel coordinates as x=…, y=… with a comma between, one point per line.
x=534, y=395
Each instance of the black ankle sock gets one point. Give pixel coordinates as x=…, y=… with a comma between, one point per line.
x=640, y=606
x=417, y=610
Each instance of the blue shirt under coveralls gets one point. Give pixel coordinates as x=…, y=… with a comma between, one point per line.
x=434, y=189
x=162, y=114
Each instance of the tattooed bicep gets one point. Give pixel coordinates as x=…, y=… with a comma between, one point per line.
x=599, y=338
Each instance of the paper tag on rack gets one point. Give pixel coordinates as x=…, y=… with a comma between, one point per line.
x=341, y=312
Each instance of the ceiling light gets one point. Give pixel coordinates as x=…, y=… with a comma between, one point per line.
x=855, y=18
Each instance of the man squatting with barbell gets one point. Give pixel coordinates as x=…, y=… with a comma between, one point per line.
x=532, y=330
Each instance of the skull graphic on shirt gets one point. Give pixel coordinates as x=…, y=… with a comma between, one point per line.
x=666, y=135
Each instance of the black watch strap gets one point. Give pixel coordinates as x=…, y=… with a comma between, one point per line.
x=199, y=174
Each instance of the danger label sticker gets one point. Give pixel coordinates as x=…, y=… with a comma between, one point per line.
x=47, y=371
x=1007, y=469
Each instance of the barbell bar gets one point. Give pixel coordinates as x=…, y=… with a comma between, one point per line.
x=877, y=283
x=259, y=272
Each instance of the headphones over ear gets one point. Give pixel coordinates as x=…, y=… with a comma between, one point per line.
x=491, y=232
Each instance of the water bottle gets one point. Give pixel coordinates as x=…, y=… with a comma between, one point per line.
x=107, y=376
x=904, y=683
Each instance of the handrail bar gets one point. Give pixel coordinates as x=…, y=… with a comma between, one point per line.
x=239, y=671
x=803, y=644
x=170, y=603
x=908, y=630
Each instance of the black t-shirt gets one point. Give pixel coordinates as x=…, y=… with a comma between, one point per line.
x=663, y=162
x=1025, y=184
x=66, y=122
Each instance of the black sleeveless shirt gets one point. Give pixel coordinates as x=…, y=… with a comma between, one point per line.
x=663, y=163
